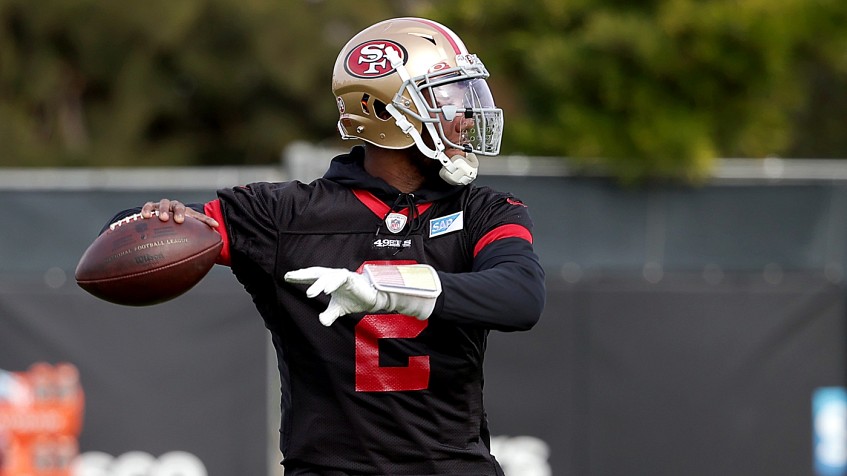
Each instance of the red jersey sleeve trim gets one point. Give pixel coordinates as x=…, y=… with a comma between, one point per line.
x=213, y=209
x=504, y=231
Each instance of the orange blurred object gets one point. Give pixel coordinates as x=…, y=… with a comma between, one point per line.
x=41, y=414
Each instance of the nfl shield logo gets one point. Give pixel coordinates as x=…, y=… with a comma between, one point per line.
x=395, y=222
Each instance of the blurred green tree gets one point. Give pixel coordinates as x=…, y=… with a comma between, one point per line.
x=645, y=89
x=87, y=82
x=661, y=88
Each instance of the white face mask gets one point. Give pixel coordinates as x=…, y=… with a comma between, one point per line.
x=469, y=121
x=442, y=98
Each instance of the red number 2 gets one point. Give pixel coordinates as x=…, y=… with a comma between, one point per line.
x=370, y=377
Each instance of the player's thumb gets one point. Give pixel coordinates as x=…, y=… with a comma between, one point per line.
x=329, y=315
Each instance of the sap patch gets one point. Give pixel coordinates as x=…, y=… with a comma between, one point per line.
x=446, y=224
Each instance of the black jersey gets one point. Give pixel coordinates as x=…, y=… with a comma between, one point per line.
x=381, y=393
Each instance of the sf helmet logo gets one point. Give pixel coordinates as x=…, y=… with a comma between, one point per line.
x=370, y=59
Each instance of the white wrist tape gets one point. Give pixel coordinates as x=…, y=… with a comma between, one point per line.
x=419, y=280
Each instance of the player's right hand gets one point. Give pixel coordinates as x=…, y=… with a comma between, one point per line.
x=167, y=208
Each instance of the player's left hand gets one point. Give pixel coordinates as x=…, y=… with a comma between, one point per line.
x=350, y=292
x=408, y=289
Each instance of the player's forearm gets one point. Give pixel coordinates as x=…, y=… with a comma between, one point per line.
x=505, y=291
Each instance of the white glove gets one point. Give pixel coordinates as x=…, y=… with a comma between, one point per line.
x=407, y=289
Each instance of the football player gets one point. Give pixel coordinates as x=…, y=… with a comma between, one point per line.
x=380, y=281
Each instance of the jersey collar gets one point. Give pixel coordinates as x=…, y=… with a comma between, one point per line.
x=348, y=170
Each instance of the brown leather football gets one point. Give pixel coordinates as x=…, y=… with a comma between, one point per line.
x=139, y=262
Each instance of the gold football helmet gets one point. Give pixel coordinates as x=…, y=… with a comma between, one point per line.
x=411, y=81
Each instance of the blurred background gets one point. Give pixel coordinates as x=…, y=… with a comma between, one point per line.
x=683, y=162
x=647, y=89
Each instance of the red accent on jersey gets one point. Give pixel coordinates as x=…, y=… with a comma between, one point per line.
x=504, y=231
x=213, y=209
x=370, y=376
x=379, y=207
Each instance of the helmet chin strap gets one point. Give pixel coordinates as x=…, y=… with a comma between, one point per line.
x=456, y=170
x=464, y=169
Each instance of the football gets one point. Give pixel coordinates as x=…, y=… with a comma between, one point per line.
x=140, y=262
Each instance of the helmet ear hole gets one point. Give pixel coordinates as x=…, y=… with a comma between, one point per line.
x=366, y=110
x=381, y=111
